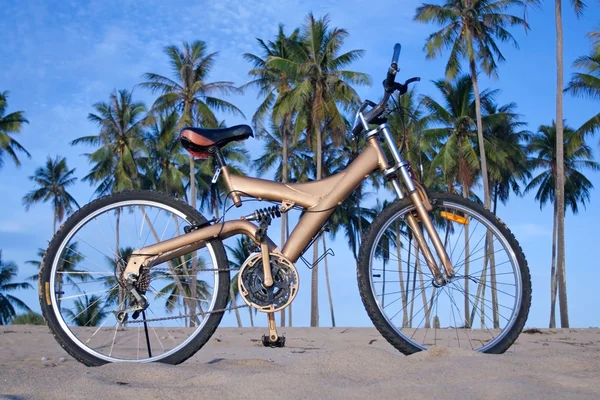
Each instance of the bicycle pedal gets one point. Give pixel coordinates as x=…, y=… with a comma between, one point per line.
x=280, y=342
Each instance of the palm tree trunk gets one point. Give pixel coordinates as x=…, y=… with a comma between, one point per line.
x=328, y=286
x=192, y=182
x=287, y=233
x=359, y=215
x=553, y=286
x=193, y=292
x=314, y=291
x=480, y=293
x=484, y=174
x=251, y=318
x=54, y=223
x=495, y=200
x=234, y=304
x=493, y=282
x=284, y=179
x=423, y=294
x=194, y=254
x=489, y=249
x=400, y=276
x=169, y=263
x=60, y=280
x=414, y=284
x=117, y=260
x=467, y=253
x=560, y=172
x=383, y=284
x=408, y=321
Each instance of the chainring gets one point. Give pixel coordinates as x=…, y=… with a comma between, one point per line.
x=278, y=296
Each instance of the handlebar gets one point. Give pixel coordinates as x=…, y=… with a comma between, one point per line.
x=390, y=86
x=396, y=55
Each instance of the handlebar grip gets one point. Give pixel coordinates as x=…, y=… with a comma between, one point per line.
x=388, y=84
x=397, y=48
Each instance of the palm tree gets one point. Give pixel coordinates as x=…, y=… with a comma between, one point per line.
x=577, y=187
x=350, y=216
x=70, y=259
x=507, y=155
x=273, y=84
x=452, y=130
x=8, y=272
x=470, y=29
x=120, y=144
x=456, y=156
x=211, y=195
x=277, y=148
x=10, y=124
x=321, y=86
x=120, y=149
x=189, y=93
x=587, y=84
x=192, y=295
x=407, y=122
x=578, y=7
x=88, y=311
x=298, y=157
x=165, y=156
x=52, y=181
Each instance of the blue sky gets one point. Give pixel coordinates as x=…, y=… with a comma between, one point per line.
x=57, y=58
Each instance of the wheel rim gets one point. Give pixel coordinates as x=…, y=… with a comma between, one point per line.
x=480, y=330
x=165, y=338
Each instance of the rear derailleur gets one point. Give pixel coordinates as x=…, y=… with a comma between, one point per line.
x=139, y=302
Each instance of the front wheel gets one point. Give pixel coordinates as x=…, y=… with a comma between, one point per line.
x=91, y=311
x=483, y=307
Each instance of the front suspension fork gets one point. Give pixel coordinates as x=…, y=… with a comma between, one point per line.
x=418, y=196
x=423, y=215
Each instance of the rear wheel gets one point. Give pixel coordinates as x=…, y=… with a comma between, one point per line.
x=82, y=299
x=483, y=308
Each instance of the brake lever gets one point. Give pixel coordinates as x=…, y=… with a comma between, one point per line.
x=411, y=80
x=402, y=88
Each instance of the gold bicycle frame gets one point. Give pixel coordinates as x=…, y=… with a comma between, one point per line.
x=318, y=198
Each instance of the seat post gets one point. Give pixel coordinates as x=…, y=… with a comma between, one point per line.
x=224, y=169
x=219, y=158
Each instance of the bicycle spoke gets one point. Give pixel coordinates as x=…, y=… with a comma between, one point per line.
x=443, y=308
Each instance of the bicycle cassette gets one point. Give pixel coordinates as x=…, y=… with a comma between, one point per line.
x=268, y=299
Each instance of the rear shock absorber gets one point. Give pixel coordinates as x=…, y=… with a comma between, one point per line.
x=264, y=213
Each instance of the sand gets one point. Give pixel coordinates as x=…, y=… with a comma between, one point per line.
x=345, y=363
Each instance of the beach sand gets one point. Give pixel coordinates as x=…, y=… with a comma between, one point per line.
x=345, y=363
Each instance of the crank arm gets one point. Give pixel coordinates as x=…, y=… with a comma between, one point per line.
x=268, y=282
x=273, y=336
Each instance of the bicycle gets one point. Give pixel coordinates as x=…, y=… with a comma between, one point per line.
x=163, y=301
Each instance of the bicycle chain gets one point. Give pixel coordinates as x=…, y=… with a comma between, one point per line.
x=222, y=310
x=189, y=315
x=198, y=270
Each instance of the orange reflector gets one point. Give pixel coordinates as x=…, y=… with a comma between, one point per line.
x=454, y=217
